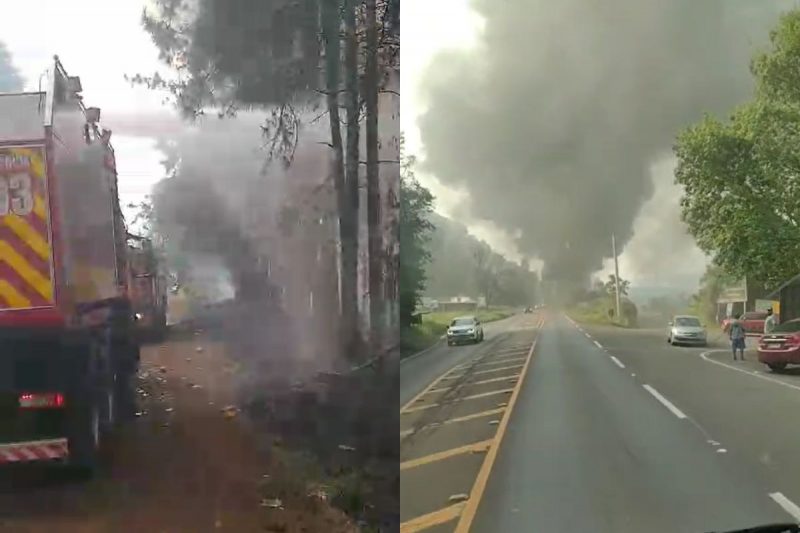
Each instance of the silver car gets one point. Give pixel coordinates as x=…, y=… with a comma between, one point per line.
x=464, y=329
x=687, y=329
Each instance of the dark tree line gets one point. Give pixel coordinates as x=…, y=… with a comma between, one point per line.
x=294, y=61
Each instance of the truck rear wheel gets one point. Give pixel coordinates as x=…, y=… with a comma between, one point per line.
x=85, y=437
x=91, y=406
x=126, y=368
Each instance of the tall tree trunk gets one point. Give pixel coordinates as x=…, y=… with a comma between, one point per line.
x=352, y=108
x=375, y=239
x=348, y=236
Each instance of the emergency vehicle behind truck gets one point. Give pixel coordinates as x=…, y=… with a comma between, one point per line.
x=68, y=352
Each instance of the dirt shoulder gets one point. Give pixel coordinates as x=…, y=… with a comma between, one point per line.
x=182, y=466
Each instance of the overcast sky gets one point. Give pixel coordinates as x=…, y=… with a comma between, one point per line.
x=100, y=41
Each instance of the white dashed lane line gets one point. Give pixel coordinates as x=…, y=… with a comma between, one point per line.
x=786, y=504
x=598, y=345
x=617, y=362
x=666, y=403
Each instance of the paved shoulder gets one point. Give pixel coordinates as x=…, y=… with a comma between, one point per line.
x=450, y=430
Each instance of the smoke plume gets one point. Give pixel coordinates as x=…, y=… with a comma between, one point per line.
x=552, y=124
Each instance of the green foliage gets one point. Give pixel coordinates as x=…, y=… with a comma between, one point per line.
x=741, y=178
x=777, y=70
x=417, y=338
x=597, y=311
x=416, y=205
x=611, y=286
x=704, y=302
x=462, y=265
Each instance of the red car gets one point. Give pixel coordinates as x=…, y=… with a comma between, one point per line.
x=781, y=347
x=753, y=322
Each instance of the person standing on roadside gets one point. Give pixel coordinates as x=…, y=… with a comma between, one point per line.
x=737, y=335
x=770, y=322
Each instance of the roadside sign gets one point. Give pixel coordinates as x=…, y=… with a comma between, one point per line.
x=763, y=305
x=735, y=292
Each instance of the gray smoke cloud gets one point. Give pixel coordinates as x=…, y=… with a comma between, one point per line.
x=10, y=79
x=553, y=122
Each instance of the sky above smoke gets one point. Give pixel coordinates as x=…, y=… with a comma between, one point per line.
x=554, y=121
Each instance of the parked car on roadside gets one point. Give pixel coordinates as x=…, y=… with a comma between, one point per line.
x=781, y=347
x=686, y=329
x=465, y=329
x=753, y=322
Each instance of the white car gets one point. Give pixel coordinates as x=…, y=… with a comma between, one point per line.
x=687, y=329
x=464, y=329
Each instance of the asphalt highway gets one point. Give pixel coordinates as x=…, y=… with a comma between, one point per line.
x=599, y=429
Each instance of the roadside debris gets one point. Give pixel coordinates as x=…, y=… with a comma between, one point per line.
x=230, y=411
x=456, y=498
x=272, y=503
x=346, y=448
x=319, y=492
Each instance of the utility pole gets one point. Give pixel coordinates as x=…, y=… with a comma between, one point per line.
x=616, y=273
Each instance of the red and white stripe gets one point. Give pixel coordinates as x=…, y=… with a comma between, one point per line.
x=39, y=450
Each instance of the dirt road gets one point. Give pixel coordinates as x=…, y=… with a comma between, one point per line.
x=181, y=466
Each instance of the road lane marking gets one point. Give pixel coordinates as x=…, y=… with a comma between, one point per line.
x=704, y=355
x=481, y=446
x=456, y=400
x=598, y=345
x=423, y=392
x=787, y=504
x=511, y=351
x=468, y=515
x=666, y=403
x=465, y=418
x=442, y=516
x=482, y=382
x=512, y=367
x=617, y=362
x=503, y=361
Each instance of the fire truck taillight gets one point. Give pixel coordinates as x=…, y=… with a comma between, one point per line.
x=47, y=400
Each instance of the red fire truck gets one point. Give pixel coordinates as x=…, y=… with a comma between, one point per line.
x=68, y=351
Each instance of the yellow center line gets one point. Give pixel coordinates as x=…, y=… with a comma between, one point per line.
x=470, y=510
x=475, y=447
x=482, y=382
x=435, y=518
x=465, y=418
x=456, y=400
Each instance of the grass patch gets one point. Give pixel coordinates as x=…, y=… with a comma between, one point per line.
x=416, y=338
x=596, y=312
